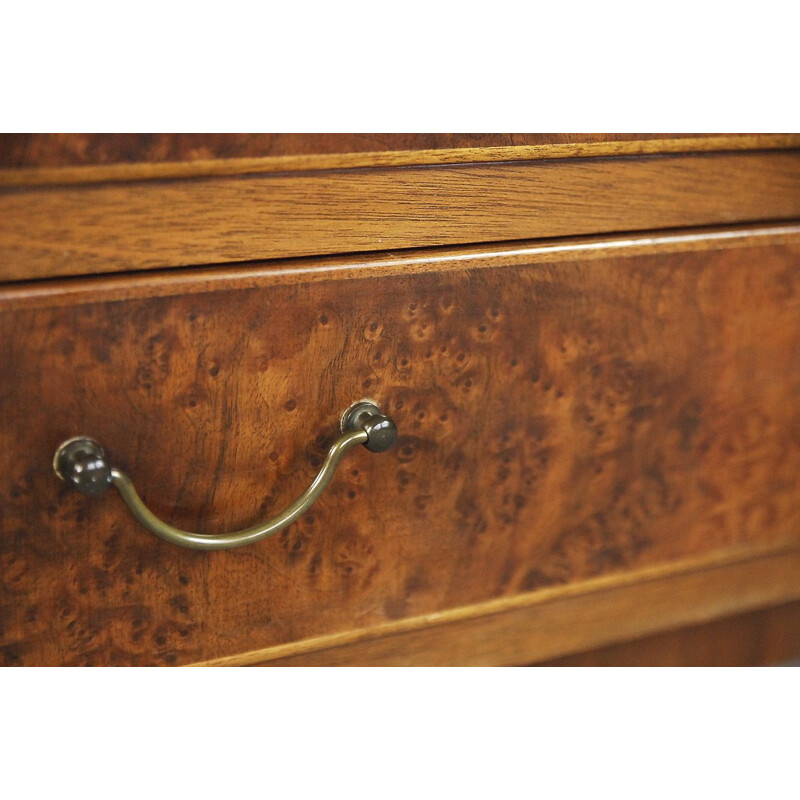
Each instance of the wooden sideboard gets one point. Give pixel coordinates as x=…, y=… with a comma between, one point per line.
x=590, y=345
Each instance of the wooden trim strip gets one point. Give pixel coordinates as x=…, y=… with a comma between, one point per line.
x=756, y=638
x=129, y=227
x=554, y=622
x=168, y=283
x=53, y=176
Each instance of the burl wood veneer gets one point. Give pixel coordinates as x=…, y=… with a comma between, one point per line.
x=567, y=412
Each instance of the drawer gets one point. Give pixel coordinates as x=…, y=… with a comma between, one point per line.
x=568, y=411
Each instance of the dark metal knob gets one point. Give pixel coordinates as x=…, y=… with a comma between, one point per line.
x=381, y=430
x=82, y=463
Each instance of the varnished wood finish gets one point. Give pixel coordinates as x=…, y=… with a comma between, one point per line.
x=71, y=149
x=559, y=421
x=25, y=150
x=766, y=637
x=122, y=227
x=553, y=622
x=54, y=159
x=167, y=283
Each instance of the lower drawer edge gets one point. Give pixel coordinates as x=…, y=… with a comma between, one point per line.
x=554, y=622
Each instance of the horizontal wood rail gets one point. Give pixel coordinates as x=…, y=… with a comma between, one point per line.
x=760, y=637
x=108, y=228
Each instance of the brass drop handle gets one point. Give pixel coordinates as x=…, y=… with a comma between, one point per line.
x=82, y=463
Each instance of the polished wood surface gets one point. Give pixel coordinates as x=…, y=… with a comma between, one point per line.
x=554, y=622
x=52, y=159
x=21, y=150
x=110, y=228
x=72, y=149
x=767, y=637
x=167, y=283
x=560, y=420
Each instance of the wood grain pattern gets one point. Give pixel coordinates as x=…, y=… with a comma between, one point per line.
x=168, y=283
x=112, y=228
x=19, y=150
x=72, y=149
x=644, y=413
x=553, y=622
x=71, y=158
x=766, y=637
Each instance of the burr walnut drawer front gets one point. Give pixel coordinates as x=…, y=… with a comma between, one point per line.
x=564, y=411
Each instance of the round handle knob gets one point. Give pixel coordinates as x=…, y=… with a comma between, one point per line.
x=381, y=430
x=82, y=463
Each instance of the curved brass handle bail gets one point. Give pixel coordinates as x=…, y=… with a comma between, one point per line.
x=82, y=463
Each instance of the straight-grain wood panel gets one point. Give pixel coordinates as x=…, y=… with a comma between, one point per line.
x=761, y=638
x=555, y=622
x=562, y=417
x=111, y=228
